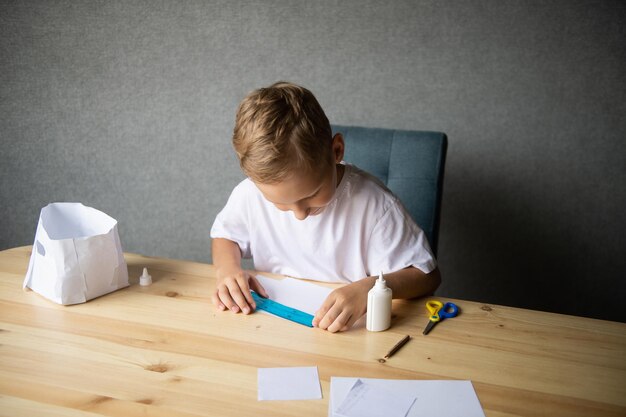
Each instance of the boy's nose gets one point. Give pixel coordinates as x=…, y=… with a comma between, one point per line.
x=301, y=213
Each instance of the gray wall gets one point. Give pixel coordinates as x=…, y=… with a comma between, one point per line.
x=129, y=107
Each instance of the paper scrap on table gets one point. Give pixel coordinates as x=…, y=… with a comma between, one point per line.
x=433, y=397
x=365, y=400
x=297, y=383
x=294, y=293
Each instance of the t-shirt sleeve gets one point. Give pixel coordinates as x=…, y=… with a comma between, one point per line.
x=232, y=222
x=397, y=242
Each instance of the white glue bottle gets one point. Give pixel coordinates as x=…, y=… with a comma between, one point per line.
x=379, y=306
x=145, y=279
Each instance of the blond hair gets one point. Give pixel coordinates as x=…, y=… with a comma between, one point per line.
x=280, y=129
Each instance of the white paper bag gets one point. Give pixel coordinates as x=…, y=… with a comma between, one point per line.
x=77, y=254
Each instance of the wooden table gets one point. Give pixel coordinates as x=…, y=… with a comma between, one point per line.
x=163, y=350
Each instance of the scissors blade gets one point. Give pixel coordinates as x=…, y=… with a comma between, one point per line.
x=429, y=327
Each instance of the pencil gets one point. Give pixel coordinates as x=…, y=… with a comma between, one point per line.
x=397, y=346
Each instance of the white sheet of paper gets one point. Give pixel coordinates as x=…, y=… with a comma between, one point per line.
x=434, y=397
x=298, y=383
x=366, y=400
x=295, y=293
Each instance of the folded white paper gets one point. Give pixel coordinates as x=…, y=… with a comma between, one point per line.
x=77, y=254
x=366, y=400
x=432, y=397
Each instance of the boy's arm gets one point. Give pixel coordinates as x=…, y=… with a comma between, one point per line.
x=345, y=305
x=232, y=289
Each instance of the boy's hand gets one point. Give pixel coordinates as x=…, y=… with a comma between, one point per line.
x=232, y=291
x=343, y=307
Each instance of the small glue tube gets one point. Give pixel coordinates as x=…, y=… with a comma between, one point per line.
x=145, y=279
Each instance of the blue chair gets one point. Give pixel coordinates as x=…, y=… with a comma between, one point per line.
x=409, y=163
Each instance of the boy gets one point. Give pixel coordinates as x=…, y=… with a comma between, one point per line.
x=302, y=212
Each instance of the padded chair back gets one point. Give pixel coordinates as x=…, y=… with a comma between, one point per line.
x=409, y=163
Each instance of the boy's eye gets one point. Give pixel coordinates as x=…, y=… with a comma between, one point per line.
x=311, y=196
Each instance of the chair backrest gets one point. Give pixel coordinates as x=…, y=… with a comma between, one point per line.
x=410, y=163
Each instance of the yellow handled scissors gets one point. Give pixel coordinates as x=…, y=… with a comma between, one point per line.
x=438, y=312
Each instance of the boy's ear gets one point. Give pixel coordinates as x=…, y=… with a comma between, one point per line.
x=338, y=147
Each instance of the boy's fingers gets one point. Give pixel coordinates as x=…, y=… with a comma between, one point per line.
x=328, y=312
x=227, y=300
x=216, y=301
x=350, y=323
x=245, y=290
x=340, y=322
x=329, y=318
x=236, y=292
x=319, y=314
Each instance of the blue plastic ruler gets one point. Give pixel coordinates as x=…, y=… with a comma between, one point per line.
x=282, y=310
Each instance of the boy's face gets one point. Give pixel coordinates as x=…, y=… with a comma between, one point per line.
x=304, y=194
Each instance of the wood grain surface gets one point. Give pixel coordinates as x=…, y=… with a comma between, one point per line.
x=163, y=350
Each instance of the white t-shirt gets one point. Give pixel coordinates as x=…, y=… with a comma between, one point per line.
x=363, y=230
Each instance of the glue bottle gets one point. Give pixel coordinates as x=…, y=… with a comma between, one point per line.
x=145, y=278
x=379, y=306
